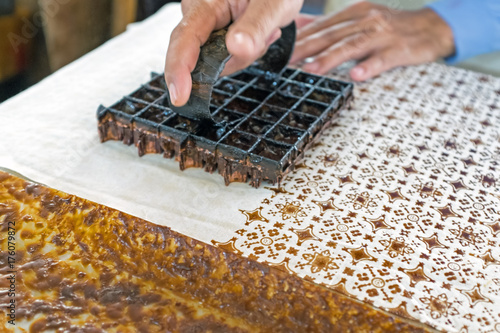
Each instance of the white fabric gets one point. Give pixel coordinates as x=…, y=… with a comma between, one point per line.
x=49, y=134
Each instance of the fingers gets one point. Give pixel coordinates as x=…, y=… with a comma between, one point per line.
x=371, y=67
x=350, y=13
x=235, y=64
x=372, y=24
x=376, y=64
x=314, y=44
x=343, y=41
x=274, y=37
x=378, y=36
x=255, y=28
x=249, y=35
x=304, y=19
x=182, y=56
x=352, y=48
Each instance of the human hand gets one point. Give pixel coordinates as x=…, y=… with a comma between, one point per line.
x=380, y=37
x=256, y=25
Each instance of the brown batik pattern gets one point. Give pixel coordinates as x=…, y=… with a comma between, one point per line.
x=398, y=205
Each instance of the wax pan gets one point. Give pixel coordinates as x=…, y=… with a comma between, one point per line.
x=264, y=123
x=77, y=266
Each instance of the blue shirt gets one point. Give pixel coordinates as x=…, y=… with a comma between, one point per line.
x=475, y=25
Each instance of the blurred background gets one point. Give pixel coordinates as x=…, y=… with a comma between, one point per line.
x=37, y=37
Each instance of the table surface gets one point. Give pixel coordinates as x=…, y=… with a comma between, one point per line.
x=398, y=204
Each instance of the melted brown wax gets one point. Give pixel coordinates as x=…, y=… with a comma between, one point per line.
x=83, y=267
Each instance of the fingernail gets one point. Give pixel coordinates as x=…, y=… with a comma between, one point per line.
x=358, y=72
x=243, y=39
x=173, y=93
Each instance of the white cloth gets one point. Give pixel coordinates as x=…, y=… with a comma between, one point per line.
x=49, y=134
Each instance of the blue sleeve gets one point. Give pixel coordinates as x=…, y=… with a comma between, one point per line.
x=475, y=25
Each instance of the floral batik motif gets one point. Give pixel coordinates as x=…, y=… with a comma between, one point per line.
x=398, y=204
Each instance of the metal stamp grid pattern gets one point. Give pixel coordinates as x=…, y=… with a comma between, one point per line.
x=267, y=122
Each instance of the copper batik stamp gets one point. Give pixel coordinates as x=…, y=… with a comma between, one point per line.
x=251, y=126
